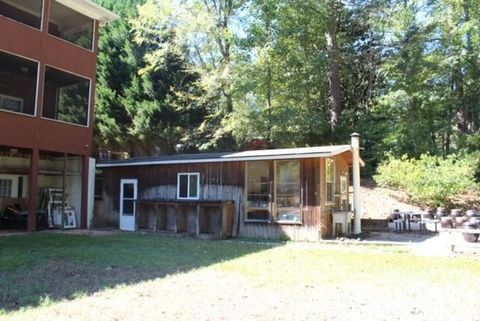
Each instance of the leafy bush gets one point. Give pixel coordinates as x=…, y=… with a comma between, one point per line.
x=432, y=180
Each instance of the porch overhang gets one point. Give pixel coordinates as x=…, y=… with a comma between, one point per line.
x=91, y=10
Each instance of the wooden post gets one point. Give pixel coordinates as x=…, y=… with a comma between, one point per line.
x=32, y=191
x=197, y=228
x=64, y=196
x=155, y=216
x=175, y=230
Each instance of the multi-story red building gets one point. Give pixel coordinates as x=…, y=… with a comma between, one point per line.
x=48, y=51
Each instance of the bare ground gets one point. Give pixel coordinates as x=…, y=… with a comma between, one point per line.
x=377, y=202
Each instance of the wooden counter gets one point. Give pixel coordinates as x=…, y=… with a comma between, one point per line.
x=205, y=218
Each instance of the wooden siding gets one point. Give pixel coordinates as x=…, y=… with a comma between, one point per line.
x=226, y=181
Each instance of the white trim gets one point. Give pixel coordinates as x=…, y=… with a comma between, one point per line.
x=197, y=174
x=227, y=158
x=90, y=81
x=37, y=92
x=35, y=110
x=91, y=10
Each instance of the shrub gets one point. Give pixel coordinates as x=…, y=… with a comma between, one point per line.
x=431, y=180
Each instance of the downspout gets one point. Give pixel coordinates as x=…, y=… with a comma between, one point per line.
x=357, y=228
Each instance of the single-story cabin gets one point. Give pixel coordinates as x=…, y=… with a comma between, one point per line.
x=278, y=193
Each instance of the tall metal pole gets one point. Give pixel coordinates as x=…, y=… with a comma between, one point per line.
x=357, y=228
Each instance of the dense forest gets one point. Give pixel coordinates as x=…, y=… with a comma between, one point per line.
x=210, y=75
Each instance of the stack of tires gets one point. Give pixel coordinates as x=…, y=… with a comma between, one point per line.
x=470, y=220
x=472, y=223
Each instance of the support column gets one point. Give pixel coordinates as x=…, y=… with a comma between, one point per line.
x=357, y=226
x=84, y=209
x=32, y=191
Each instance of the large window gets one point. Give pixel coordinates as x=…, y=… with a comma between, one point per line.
x=70, y=25
x=18, y=84
x=28, y=12
x=188, y=186
x=274, y=192
x=258, y=191
x=288, y=191
x=66, y=97
x=330, y=179
x=5, y=187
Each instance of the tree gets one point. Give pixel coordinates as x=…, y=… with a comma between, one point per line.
x=206, y=43
x=143, y=108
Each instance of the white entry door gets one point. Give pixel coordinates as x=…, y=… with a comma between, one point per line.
x=128, y=196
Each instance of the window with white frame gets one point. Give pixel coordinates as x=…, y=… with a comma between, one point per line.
x=330, y=179
x=18, y=84
x=26, y=12
x=188, y=185
x=70, y=25
x=5, y=187
x=66, y=97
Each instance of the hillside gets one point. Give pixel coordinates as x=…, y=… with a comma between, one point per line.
x=378, y=202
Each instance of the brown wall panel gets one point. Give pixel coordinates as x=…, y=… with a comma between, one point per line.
x=11, y=32
x=62, y=137
x=69, y=57
x=17, y=130
x=30, y=132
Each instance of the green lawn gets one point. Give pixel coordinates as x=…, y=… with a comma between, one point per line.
x=151, y=277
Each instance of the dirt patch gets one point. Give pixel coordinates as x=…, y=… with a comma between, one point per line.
x=377, y=202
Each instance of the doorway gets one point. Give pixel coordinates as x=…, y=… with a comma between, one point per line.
x=128, y=196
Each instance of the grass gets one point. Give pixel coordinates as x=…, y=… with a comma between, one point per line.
x=55, y=266
x=44, y=275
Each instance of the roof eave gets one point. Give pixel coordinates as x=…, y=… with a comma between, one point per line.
x=91, y=9
x=223, y=159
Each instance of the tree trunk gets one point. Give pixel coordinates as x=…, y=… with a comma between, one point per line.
x=335, y=88
x=460, y=108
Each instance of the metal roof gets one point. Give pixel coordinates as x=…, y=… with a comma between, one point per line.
x=266, y=154
x=91, y=10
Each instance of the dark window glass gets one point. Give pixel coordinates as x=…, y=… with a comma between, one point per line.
x=5, y=188
x=183, y=187
x=258, y=215
x=18, y=84
x=288, y=191
x=98, y=187
x=128, y=191
x=193, y=186
x=258, y=191
x=28, y=12
x=66, y=97
x=20, y=187
x=330, y=179
x=70, y=25
x=128, y=207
